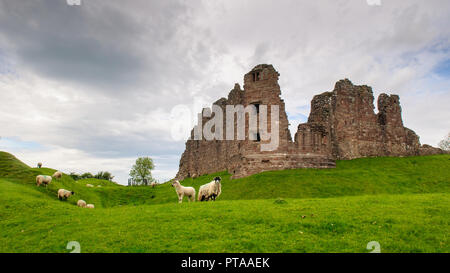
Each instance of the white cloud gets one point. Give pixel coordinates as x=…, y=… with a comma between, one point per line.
x=95, y=85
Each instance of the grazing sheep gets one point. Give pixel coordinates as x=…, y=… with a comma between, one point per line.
x=210, y=191
x=43, y=179
x=89, y=185
x=64, y=194
x=182, y=191
x=81, y=203
x=90, y=206
x=39, y=165
x=154, y=184
x=99, y=186
x=57, y=174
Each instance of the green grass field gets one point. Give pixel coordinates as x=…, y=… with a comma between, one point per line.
x=402, y=203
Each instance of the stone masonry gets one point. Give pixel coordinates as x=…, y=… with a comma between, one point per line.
x=342, y=125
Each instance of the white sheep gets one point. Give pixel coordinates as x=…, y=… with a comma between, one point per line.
x=90, y=206
x=89, y=185
x=64, y=194
x=81, y=203
x=210, y=191
x=154, y=184
x=57, y=174
x=39, y=165
x=43, y=179
x=182, y=191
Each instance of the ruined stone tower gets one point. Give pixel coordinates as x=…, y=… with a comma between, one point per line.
x=245, y=157
x=342, y=125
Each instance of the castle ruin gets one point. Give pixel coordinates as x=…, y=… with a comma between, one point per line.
x=342, y=125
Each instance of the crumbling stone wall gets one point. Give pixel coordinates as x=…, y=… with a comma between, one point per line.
x=244, y=157
x=347, y=120
x=342, y=125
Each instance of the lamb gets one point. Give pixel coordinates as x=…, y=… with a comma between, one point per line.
x=182, y=191
x=154, y=184
x=39, y=165
x=210, y=191
x=64, y=194
x=81, y=203
x=89, y=185
x=43, y=179
x=57, y=174
x=90, y=206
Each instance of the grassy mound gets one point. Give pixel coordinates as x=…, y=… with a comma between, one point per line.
x=402, y=203
x=109, y=194
x=382, y=175
x=32, y=222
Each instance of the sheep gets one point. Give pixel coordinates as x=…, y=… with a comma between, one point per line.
x=89, y=185
x=57, y=174
x=210, y=191
x=182, y=191
x=99, y=186
x=39, y=165
x=203, y=192
x=81, y=203
x=43, y=179
x=154, y=184
x=64, y=194
x=90, y=206
x=217, y=189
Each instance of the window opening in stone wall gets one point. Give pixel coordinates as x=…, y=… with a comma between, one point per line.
x=256, y=76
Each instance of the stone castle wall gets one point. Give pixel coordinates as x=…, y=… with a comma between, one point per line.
x=347, y=116
x=342, y=125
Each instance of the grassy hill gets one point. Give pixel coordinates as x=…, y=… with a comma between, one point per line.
x=382, y=175
x=109, y=194
x=403, y=203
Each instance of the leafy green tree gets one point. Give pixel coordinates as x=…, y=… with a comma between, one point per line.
x=99, y=175
x=75, y=176
x=86, y=175
x=107, y=176
x=445, y=143
x=141, y=172
x=104, y=175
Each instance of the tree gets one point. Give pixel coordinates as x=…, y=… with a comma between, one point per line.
x=141, y=171
x=75, y=176
x=86, y=175
x=108, y=176
x=445, y=143
x=104, y=175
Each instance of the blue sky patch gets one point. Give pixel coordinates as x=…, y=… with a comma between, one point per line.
x=443, y=69
x=16, y=143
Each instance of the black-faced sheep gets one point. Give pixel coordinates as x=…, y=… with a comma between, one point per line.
x=57, y=174
x=64, y=194
x=81, y=203
x=154, y=184
x=210, y=191
x=182, y=191
x=39, y=165
x=43, y=179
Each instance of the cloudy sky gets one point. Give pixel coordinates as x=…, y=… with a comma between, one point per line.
x=93, y=87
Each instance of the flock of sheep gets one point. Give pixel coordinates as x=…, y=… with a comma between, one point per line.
x=63, y=194
x=209, y=191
